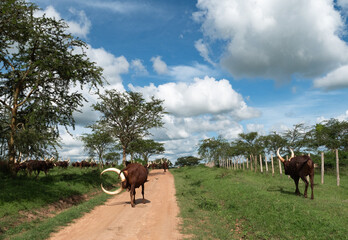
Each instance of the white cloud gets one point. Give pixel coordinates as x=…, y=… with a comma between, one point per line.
x=333, y=80
x=138, y=67
x=113, y=66
x=203, y=51
x=203, y=96
x=79, y=28
x=184, y=73
x=159, y=66
x=275, y=39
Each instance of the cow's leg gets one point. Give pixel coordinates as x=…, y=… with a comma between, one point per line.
x=142, y=192
x=296, y=179
x=132, y=195
x=306, y=183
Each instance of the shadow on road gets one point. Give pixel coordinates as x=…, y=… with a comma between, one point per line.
x=137, y=201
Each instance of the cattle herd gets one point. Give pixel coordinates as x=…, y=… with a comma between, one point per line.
x=135, y=175
x=37, y=166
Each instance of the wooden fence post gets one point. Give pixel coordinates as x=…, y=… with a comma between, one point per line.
x=272, y=165
x=266, y=164
x=337, y=168
x=280, y=168
x=261, y=168
x=322, y=167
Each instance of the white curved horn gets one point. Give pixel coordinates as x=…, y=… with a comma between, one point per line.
x=122, y=179
x=292, y=154
x=280, y=157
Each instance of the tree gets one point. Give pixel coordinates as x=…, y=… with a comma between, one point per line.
x=39, y=65
x=187, y=161
x=98, y=142
x=146, y=148
x=298, y=137
x=128, y=116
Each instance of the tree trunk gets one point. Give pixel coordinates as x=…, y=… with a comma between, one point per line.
x=11, y=142
x=261, y=167
x=124, y=156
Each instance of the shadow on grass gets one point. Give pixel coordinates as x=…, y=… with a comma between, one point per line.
x=280, y=189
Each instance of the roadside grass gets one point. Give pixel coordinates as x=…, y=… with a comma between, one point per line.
x=218, y=203
x=32, y=208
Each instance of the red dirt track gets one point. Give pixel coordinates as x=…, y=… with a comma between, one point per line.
x=116, y=219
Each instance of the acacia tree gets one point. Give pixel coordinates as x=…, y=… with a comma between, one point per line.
x=39, y=64
x=146, y=148
x=128, y=116
x=98, y=142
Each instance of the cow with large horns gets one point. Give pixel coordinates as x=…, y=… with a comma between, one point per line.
x=132, y=177
x=299, y=167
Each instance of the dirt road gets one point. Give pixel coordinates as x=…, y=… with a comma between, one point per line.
x=116, y=219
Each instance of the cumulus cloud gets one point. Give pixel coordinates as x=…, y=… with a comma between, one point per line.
x=79, y=28
x=159, y=66
x=333, y=80
x=113, y=66
x=275, y=39
x=184, y=73
x=138, y=67
x=203, y=96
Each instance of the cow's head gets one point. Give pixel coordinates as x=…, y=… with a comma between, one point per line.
x=286, y=163
x=123, y=181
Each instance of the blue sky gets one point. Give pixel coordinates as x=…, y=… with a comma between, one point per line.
x=222, y=67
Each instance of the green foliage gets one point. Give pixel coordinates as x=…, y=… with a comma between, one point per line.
x=217, y=203
x=187, y=161
x=40, y=63
x=99, y=142
x=128, y=116
x=145, y=148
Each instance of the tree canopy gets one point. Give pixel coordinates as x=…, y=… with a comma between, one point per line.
x=128, y=116
x=42, y=67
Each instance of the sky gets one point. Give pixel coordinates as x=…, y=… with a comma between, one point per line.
x=221, y=67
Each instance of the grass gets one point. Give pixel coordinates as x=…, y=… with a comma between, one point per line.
x=217, y=203
x=32, y=208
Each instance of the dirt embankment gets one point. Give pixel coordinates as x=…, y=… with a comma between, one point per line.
x=116, y=219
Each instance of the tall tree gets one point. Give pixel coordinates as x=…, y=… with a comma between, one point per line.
x=39, y=64
x=146, y=148
x=128, y=116
x=99, y=142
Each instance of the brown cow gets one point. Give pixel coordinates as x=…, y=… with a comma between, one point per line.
x=132, y=177
x=299, y=167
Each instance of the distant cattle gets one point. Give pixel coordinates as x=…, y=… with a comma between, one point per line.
x=62, y=164
x=39, y=165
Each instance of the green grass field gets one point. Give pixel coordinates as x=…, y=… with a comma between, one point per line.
x=217, y=203
x=32, y=208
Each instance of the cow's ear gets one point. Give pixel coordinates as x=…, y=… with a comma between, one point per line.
x=125, y=173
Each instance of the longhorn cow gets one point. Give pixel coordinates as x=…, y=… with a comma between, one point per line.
x=299, y=167
x=132, y=177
